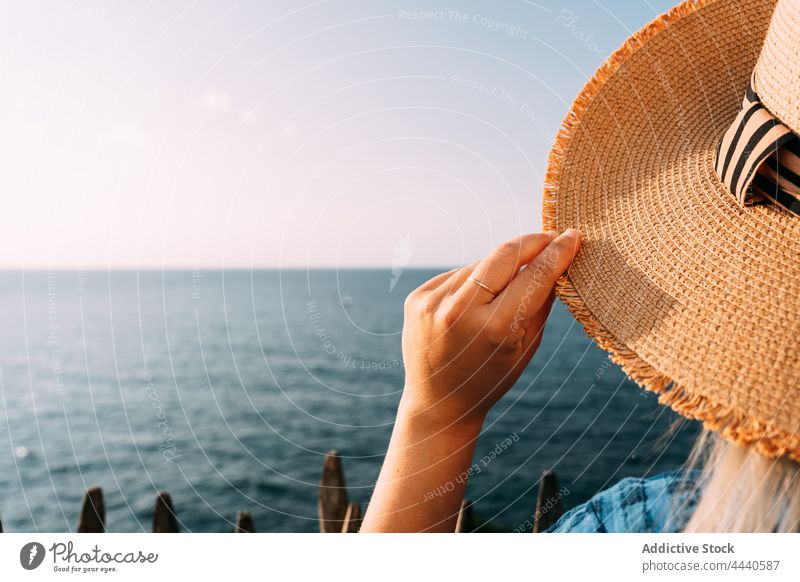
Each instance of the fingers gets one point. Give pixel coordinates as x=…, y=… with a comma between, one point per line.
x=500, y=267
x=456, y=280
x=436, y=280
x=534, y=327
x=528, y=333
x=436, y=288
x=530, y=290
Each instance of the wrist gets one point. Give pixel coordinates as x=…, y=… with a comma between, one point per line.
x=437, y=420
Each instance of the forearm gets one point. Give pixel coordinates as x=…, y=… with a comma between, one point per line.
x=423, y=478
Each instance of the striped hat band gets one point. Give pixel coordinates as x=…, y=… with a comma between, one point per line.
x=758, y=158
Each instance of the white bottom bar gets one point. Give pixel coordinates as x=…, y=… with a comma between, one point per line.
x=414, y=558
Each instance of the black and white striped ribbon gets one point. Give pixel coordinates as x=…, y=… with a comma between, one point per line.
x=758, y=158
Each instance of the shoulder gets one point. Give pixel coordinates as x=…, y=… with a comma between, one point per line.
x=635, y=505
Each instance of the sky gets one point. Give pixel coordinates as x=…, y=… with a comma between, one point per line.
x=285, y=134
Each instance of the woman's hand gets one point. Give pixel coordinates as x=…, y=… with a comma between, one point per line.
x=463, y=348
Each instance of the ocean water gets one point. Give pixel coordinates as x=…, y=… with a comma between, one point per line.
x=226, y=388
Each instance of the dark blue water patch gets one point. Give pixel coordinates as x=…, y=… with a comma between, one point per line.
x=236, y=380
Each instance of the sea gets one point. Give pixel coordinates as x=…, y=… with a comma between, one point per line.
x=226, y=388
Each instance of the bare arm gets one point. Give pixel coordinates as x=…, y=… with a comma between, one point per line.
x=463, y=349
x=422, y=482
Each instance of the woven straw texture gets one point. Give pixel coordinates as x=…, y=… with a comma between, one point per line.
x=697, y=298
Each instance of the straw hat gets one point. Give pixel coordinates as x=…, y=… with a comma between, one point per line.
x=689, y=282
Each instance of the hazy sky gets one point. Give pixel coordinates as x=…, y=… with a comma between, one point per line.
x=284, y=133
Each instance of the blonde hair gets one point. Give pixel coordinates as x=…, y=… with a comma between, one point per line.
x=742, y=491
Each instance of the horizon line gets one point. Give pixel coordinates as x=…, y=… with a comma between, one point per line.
x=39, y=269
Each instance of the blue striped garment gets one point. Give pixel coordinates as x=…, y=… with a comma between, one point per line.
x=635, y=505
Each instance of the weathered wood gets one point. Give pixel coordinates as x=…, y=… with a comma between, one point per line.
x=244, y=523
x=164, y=518
x=332, y=505
x=548, y=503
x=93, y=512
x=352, y=518
x=465, y=523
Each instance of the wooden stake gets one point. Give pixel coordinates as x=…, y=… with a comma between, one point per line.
x=93, y=512
x=244, y=523
x=352, y=518
x=548, y=503
x=164, y=518
x=332, y=504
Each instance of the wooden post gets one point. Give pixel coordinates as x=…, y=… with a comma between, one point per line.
x=1, y=526
x=164, y=519
x=465, y=524
x=548, y=503
x=332, y=504
x=352, y=518
x=244, y=523
x=93, y=512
